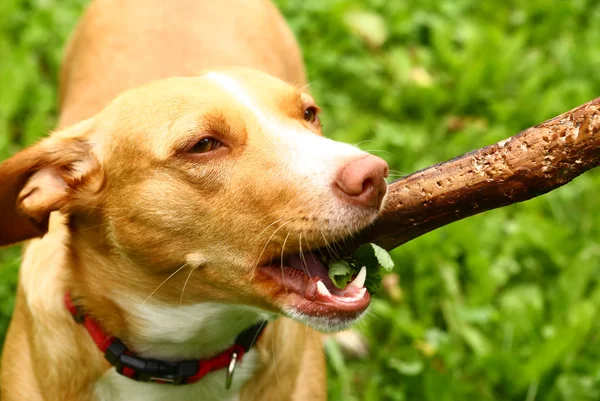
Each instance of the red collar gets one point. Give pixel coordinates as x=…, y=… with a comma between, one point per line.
x=152, y=370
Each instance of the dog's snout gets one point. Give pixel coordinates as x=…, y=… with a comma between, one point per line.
x=362, y=181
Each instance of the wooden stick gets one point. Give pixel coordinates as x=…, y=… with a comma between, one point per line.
x=536, y=161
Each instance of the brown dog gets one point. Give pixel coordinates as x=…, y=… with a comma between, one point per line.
x=180, y=217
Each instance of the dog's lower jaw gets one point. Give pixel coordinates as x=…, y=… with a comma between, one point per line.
x=322, y=323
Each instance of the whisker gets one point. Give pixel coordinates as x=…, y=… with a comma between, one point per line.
x=265, y=229
x=378, y=150
x=165, y=280
x=350, y=236
x=104, y=223
x=318, y=249
x=267, y=243
x=320, y=347
x=332, y=251
x=160, y=285
x=185, y=285
x=273, y=351
x=327, y=246
x=282, y=251
x=85, y=205
x=365, y=141
x=302, y=258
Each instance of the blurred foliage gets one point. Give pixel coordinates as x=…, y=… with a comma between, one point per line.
x=501, y=306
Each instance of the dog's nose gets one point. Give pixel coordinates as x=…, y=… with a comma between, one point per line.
x=362, y=181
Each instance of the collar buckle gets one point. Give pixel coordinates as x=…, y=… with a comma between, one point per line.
x=148, y=370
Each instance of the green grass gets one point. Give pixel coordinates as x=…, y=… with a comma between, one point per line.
x=501, y=306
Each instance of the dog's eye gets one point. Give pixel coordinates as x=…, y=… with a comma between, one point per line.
x=310, y=114
x=205, y=145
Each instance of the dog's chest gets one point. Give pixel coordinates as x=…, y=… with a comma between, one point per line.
x=114, y=387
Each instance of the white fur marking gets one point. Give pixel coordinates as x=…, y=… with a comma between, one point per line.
x=190, y=331
x=308, y=155
x=183, y=332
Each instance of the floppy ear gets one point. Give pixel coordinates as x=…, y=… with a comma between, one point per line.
x=42, y=179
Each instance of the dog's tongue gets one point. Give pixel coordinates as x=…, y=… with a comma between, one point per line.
x=311, y=266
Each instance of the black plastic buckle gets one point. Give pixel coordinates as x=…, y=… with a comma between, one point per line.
x=78, y=316
x=149, y=370
x=247, y=337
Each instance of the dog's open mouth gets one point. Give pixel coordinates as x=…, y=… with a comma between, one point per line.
x=307, y=276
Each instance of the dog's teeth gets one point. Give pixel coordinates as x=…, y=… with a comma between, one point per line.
x=359, y=281
x=321, y=289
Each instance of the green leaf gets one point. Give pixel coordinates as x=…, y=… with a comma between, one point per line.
x=383, y=258
x=376, y=260
x=373, y=282
x=365, y=256
x=373, y=257
x=340, y=273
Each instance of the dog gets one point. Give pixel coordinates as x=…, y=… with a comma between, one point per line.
x=177, y=215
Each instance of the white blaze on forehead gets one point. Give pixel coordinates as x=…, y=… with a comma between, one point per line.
x=236, y=90
x=306, y=154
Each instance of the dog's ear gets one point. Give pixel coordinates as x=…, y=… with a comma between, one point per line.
x=46, y=177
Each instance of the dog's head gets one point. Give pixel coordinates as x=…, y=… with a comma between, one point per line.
x=222, y=183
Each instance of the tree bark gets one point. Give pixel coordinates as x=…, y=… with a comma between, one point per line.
x=532, y=163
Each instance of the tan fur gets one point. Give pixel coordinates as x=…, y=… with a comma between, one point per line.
x=295, y=361
x=93, y=188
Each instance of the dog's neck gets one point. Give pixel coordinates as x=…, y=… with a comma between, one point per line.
x=155, y=329
x=147, y=322
x=185, y=332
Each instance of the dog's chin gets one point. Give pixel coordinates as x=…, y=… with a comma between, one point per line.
x=326, y=324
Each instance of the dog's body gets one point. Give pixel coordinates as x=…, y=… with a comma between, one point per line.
x=119, y=45
x=135, y=208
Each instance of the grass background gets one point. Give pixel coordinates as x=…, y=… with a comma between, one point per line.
x=501, y=306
